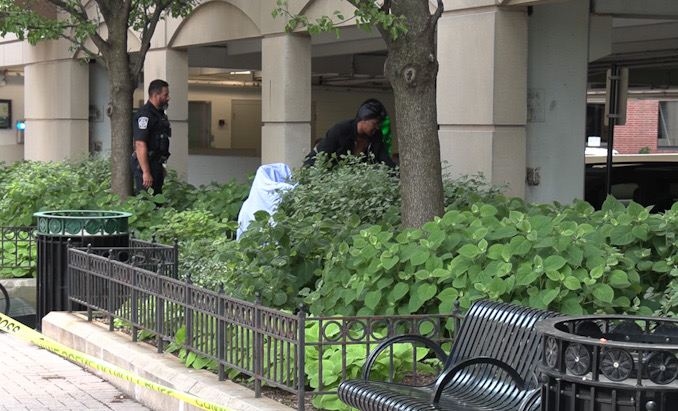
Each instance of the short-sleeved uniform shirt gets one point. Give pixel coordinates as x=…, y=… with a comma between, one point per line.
x=148, y=125
x=151, y=126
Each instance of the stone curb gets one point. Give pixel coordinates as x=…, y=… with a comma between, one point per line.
x=74, y=331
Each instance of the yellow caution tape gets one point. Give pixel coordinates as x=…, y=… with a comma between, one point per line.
x=12, y=326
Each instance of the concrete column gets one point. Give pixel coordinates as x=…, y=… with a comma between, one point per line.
x=481, y=93
x=172, y=66
x=557, y=81
x=286, y=99
x=56, y=95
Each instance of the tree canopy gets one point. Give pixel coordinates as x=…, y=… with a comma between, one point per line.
x=99, y=30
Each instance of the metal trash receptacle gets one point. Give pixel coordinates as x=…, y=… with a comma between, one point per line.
x=610, y=362
x=81, y=227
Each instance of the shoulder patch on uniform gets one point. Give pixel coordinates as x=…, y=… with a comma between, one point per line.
x=143, y=123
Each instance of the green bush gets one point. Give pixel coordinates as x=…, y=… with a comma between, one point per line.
x=333, y=358
x=30, y=186
x=571, y=259
x=464, y=191
x=339, y=192
x=283, y=260
x=186, y=213
x=349, y=187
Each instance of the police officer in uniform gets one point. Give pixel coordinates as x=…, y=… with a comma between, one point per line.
x=151, y=131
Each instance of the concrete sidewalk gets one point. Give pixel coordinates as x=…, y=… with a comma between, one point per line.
x=32, y=378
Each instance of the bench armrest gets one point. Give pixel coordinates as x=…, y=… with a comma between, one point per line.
x=374, y=354
x=449, y=373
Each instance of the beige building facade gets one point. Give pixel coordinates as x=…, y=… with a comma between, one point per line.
x=512, y=86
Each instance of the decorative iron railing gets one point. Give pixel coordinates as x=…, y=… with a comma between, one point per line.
x=17, y=247
x=148, y=255
x=265, y=344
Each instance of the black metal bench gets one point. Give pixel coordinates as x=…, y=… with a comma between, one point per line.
x=491, y=366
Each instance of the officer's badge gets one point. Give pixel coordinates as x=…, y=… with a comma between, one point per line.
x=143, y=123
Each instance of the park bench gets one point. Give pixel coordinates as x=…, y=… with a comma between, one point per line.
x=491, y=366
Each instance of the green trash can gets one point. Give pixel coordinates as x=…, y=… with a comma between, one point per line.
x=81, y=227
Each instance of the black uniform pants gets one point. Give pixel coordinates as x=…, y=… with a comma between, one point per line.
x=157, y=172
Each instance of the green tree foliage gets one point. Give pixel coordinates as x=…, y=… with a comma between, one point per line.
x=82, y=23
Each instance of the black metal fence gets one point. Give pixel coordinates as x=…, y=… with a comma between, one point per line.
x=148, y=255
x=17, y=248
x=140, y=285
x=267, y=345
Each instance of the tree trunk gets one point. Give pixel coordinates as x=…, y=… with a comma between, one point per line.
x=122, y=85
x=411, y=67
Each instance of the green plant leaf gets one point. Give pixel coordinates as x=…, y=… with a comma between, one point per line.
x=547, y=296
x=448, y=294
x=372, y=298
x=603, y=292
x=619, y=279
x=420, y=257
x=469, y=251
x=572, y=306
x=622, y=235
x=572, y=283
x=427, y=291
x=399, y=291
x=389, y=262
x=597, y=272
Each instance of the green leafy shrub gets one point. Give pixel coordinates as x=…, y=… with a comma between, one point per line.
x=372, y=192
x=464, y=191
x=571, y=259
x=186, y=213
x=19, y=255
x=283, y=260
x=274, y=260
x=331, y=358
x=339, y=192
x=30, y=186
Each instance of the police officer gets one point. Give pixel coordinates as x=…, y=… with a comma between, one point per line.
x=151, y=131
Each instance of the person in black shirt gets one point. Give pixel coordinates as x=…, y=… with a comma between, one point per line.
x=361, y=135
x=151, y=131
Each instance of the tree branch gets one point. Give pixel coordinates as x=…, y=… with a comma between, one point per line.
x=76, y=10
x=101, y=44
x=438, y=13
x=78, y=45
x=146, y=34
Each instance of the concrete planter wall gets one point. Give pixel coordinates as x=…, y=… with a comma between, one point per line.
x=23, y=288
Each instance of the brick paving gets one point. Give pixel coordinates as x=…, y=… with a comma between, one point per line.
x=32, y=378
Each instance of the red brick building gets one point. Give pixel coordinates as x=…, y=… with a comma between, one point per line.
x=648, y=126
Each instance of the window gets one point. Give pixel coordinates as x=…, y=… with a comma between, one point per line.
x=668, y=124
x=595, y=122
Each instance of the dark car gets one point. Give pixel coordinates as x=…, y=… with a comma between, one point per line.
x=647, y=179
